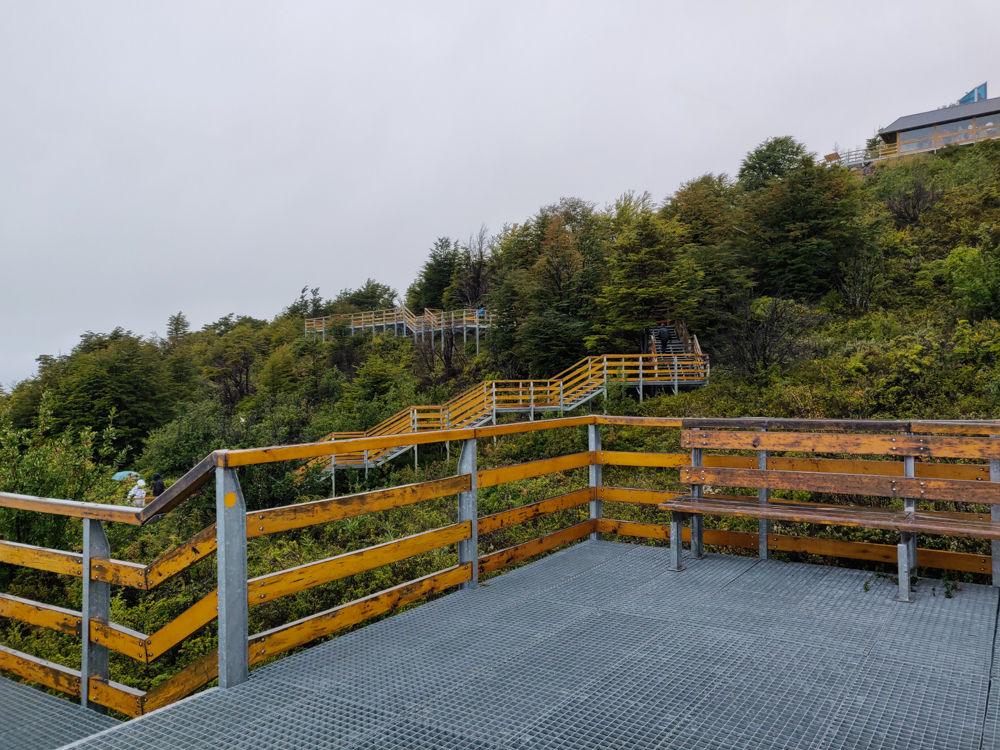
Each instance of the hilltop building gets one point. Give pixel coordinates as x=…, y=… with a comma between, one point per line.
x=972, y=119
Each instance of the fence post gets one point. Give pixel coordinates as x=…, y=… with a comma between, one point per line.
x=231, y=534
x=995, y=518
x=676, y=384
x=697, y=519
x=531, y=409
x=97, y=606
x=596, y=477
x=763, y=496
x=468, y=510
x=641, y=385
x=906, y=550
x=562, y=402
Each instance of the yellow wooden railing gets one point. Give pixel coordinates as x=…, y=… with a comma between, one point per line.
x=913, y=451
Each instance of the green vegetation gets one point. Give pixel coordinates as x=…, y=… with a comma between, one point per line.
x=817, y=292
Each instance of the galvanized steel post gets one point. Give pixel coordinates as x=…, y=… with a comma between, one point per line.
x=596, y=477
x=995, y=518
x=697, y=519
x=96, y=606
x=763, y=496
x=231, y=535
x=906, y=550
x=468, y=510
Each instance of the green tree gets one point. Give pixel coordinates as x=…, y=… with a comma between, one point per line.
x=800, y=232
x=67, y=467
x=428, y=290
x=650, y=278
x=775, y=157
x=116, y=373
x=369, y=296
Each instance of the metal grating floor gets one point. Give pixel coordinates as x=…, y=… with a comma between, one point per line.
x=33, y=720
x=600, y=646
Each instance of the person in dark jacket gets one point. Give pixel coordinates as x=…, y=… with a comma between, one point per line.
x=158, y=486
x=664, y=332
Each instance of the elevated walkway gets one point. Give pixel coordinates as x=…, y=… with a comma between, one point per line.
x=601, y=646
x=679, y=364
x=404, y=322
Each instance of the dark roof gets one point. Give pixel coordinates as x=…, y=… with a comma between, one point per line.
x=949, y=114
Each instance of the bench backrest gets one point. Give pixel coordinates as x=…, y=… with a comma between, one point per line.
x=923, y=488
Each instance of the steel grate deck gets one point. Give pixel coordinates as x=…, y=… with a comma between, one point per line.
x=33, y=720
x=600, y=646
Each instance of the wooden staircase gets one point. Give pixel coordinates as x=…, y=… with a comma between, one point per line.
x=678, y=364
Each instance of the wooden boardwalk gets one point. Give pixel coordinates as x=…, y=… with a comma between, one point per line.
x=601, y=646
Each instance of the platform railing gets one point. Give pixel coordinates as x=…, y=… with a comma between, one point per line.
x=594, y=477
x=429, y=321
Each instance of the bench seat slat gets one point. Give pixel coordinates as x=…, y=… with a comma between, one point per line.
x=836, y=515
x=951, y=490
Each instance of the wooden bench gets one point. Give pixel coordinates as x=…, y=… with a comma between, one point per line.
x=908, y=521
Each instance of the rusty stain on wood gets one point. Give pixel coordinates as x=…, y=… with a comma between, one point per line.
x=275, y=585
x=493, y=477
x=817, y=442
x=519, y=552
x=323, y=511
x=46, y=673
x=44, y=615
x=528, y=512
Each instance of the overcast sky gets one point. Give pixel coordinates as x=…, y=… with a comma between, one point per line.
x=217, y=157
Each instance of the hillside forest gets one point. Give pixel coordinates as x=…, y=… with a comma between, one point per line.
x=817, y=292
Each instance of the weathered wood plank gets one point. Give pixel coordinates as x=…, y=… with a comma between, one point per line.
x=280, y=639
x=969, y=472
x=761, y=423
x=666, y=422
x=187, y=622
x=323, y=511
x=952, y=490
x=926, y=558
x=193, y=676
x=629, y=495
x=927, y=446
x=43, y=615
x=339, y=447
x=838, y=515
x=119, y=572
x=40, y=558
x=182, y=557
x=523, y=551
x=718, y=537
x=275, y=585
x=200, y=474
x=493, y=477
x=523, y=513
x=71, y=508
x=121, y=698
x=670, y=460
x=118, y=638
x=46, y=673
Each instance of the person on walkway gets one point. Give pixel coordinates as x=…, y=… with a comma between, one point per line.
x=664, y=333
x=138, y=494
x=158, y=486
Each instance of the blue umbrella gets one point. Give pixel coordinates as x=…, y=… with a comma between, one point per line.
x=123, y=475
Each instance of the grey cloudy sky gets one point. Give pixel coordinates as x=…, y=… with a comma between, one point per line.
x=216, y=157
